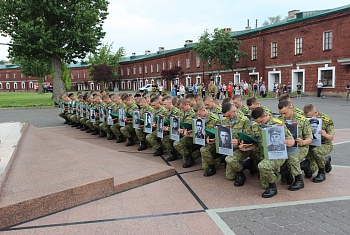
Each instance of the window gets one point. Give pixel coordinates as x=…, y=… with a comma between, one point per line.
x=134, y=70
x=188, y=63
x=327, y=40
x=146, y=81
x=122, y=72
x=23, y=85
x=129, y=85
x=0, y=85
x=237, y=58
x=198, y=61
x=128, y=71
x=298, y=46
x=7, y=86
x=78, y=75
x=31, y=85
x=7, y=76
x=92, y=86
x=157, y=68
x=151, y=68
x=22, y=75
x=140, y=70
x=71, y=75
x=254, y=52
x=178, y=63
x=98, y=86
x=15, y=86
x=274, y=50
x=84, y=75
x=146, y=70
x=123, y=85
x=163, y=66
x=170, y=65
x=327, y=76
x=14, y=76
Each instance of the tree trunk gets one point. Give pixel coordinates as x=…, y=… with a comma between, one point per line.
x=40, y=85
x=58, y=85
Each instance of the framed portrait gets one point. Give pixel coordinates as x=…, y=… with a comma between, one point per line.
x=316, y=127
x=221, y=116
x=101, y=113
x=293, y=128
x=160, y=126
x=81, y=111
x=92, y=115
x=121, y=116
x=148, y=117
x=109, y=117
x=77, y=110
x=223, y=142
x=273, y=142
x=198, y=126
x=135, y=116
x=69, y=106
x=174, y=128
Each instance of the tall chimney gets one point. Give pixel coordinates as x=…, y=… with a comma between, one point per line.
x=247, y=24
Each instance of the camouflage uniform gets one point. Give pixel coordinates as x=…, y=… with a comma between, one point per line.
x=152, y=138
x=97, y=123
x=116, y=127
x=166, y=141
x=217, y=109
x=65, y=112
x=83, y=120
x=209, y=150
x=317, y=154
x=268, y=169
x=141, y=136
x=104, y=127
x=234, y=163
x=88, y=122
x=298, y=111
x=128, y=130
x=245, y=110
x=184, y=145
x=304, y=132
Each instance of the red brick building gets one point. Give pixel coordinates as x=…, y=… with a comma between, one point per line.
x=308, y=47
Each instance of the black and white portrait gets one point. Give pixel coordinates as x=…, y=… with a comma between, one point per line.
x=198, y=130
x=276, y=140
x=223, y=143
x=148, y=123
x=101, y=113
x=135, y=116
x=273, y=139
x=92, y=115
x=109, y=117
x=316, y=127
x=121, y=117
x=174, y=128
x=293, y=128
x=160, y=126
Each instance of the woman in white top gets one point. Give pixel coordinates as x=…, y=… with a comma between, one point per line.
x=182, y=90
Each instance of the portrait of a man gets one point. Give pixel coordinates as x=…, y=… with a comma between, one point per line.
x=199, y=129
x=224, y=137
x=136, y=116
x=314, y=126
x=148, y=120
x=275, y=139
x=175, y=126
x=160, y=124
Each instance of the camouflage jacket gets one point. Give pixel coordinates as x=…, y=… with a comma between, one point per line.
x=239, y=124
x=328, y=126
x=212, y=120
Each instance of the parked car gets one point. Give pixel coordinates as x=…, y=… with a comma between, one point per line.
x=48, y=87
x=149, y=88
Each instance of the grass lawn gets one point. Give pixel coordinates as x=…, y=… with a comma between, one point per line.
x=25, y=99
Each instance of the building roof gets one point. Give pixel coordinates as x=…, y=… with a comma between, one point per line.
x=70, y=66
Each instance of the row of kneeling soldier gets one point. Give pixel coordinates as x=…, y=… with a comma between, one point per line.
x=178, y=125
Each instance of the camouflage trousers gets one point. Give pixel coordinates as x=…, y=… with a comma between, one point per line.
x=183, y=146
x=83, y=121
x=96, y=125
x=168, y=143
x=105, y=127
x=317, y=154
x=208, y=152
x=129, y=132
x=116, y=130
x=293, y=161
x=63, y=115
x=89, y=124
x=268, y=170
x=141, y=136
x=154, y=141
x=75, y=118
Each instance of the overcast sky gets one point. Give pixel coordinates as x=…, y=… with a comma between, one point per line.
x=139, y=25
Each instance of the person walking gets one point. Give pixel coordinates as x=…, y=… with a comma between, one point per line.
x=348, y=90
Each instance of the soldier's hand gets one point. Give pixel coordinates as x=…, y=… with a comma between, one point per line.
x=210, y=141
x=289, y=142
x=235, y=142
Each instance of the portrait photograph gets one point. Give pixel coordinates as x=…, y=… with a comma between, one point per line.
x=316, y=127
x=135, y=116
x=273, y=141
x=92, y=115
x=198, y=126
x=81, y=111
x=160, y=126
x=148, y=117
x=101, y=113
x=87, y=113
x=121, y=117
x=174, y=128
x=223, y=142
x=109, y=117
x=293, y=128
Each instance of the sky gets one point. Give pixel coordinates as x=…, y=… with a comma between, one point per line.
x=140, y=25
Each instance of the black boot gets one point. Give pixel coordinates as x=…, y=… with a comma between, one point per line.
x=320, y=177
x=249, y=164
x=240, y=179
x=159, y=152
x=84, y=128
x=110, y=136
x=211, y=171
x=79, y=126
x=74, y=124
x=120, y=139
x=88, y=131
x=130, y=142
x=298, y=183
x=66, y=122
x=173, y=156
x=143, y=146
x=287, y=176
x=189, y=162
x=328, y=166
x=305, y=166
x=270, y=192
x=95, y=132
x=102, y=134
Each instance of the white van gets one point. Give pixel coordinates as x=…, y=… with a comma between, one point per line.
x=149, y=88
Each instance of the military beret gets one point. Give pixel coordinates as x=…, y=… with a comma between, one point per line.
x=246, y=139
x=274, y=131
x=186, y=126
x=155, y=118
x=210, y=133
x=140, y=121
x=314, y=120
x=167, y=122
x=128, y=115
x=115, y=115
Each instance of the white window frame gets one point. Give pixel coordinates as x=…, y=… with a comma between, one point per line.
x=123, y=85
x=15, y=86
x=274, y=50
x=8, y=87
x=198, y=80
x=22, y=75
x=92, y=86
x=170, y=65
x=134, y=70
x=71, y=76
x=128, y=71
x=122, y=72
x=14, y=76
x=157, y=68
x=23, y=85
x=333, y=75
x=163, y=65
x=129, y=85
x=7, y=76
x=151, y=68
x=254, y=52
x=198, y=61
x=78, y=76
x=329, y=44
x=140, y=70
x=178, y=63
x=84, y=75
x=1, y=85
x=98, y=86
x=188, y=61
x=31, y=85
x=146, y=69
x=298, y=46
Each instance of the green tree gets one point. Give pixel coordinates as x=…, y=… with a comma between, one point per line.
x=58, y=31
x=2, y=61
x=273, y=20
x=104, y=64
x=67, y=82
x=36, y=68
x=219, y=49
